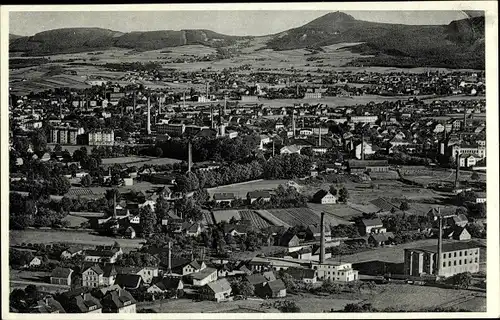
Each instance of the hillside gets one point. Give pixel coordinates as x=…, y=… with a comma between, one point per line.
x=14, y=36
x=459, y=44
x=70, y=40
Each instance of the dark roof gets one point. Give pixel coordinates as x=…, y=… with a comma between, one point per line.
x=167, y=283
x=85, y=302
x=118, y=298
x=224, y=196
x=258, y=194
x=96, y=268
x=320, y=195
x=276, y=285
x=61, y=272
x=256, y=278
x=128, y=281
x=203, y=273
x=451, y=246
x=109, y=270
x=100, y=253
x=382, y=237
x=371, y=222
x=286, y=238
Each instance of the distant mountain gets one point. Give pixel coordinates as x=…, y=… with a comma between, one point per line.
x=14, y=36
x=70, y=40
x=459, y=44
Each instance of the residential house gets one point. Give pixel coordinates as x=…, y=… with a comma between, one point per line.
x=146, y=273
x=271, y=289
x=61, y=276
x=103, y=254
x=71, y=252
x=368, y=226
x=226, y=198
x=84, y=303
x=118, y=301
x=185, y=267
x=218, y=290
x=324, y=197
x=35, y=262
x=93, y=277
x=367, y=150
x=128, y=281
x=480, y=197
x=304, y=275
x=313, y=232
x=47, y=305
x=381, y=239
x=130, y=232
x=109, y=274
x=253, y=196
x=290, y=149
x=455, y=220
x=457, y=233
x=203, y=277
x=236, y=229
x=163, y=284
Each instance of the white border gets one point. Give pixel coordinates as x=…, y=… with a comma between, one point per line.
x=491, y=38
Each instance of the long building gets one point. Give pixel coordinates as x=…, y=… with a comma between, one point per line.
x=457, y=257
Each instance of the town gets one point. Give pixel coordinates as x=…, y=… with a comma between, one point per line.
x=248, y=190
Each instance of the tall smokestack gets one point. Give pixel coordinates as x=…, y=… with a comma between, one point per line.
x=148, y=125
x=169, y=267
x=322, y=241
x=190, y=157
x=465, y=118
x=184, y=99
x=273, y=147
x=457, y=170
x=114, y=205
x=363, y=147
x=135, y=103
x=225, y=105
x=319, y=142
x=293, y=122
x=440, y=244
x=211, y=117
x=206, y=90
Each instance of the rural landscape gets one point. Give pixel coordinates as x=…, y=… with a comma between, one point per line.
x=335, y=167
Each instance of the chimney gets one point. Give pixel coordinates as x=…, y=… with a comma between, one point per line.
x=457, y=171
x=184, y=99
x=211, y=117
x=148, y=125
x=135, y=104
x=322, y=241
x=207, y=90
x=190, y=157
x=440, y=244
x=465, y=118
x=114, y=205
x=293, y=122
x=363, y=147
x=225, y=105
x=169, y=267
x=319, y=142
x=273, y=147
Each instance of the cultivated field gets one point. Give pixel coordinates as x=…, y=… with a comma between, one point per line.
x=296, y=216
x=139, y=161
x=17, y=237
x=240, y=190
x=255, y=219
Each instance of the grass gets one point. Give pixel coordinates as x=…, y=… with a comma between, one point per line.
x=241, y=190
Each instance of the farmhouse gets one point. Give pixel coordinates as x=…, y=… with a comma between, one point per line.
x=271, y=289
x=457, y=233
x=324, y=197
x=367, y=226
x=227, y=198
x=203, y=277
x=253, y=196
x=93, y=277
x=61, y=276
x=217, y=291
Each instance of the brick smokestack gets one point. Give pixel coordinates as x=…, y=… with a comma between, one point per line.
x=148, y=125
x=190, y=157
x=457, y=170
x=440, y=244
x=322, y=241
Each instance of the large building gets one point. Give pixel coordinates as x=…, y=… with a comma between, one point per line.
x=342, y=272
x=457, y=257
x=65, y=135
x=101, y=137
x=172, y=129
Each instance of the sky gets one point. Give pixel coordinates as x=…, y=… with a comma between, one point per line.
x=241, y=23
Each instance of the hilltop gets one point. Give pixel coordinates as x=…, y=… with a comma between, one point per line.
x=70, y=40
x=460, y=44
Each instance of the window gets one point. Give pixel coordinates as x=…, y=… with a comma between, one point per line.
x=444, y=255
x=449, y=255
x=475, y=260
x=449, y=263
x=455, y=254
x=460, y=253
x=444, y=264
x=460, y=262
x=465, y=261
x=455, y=262
x=465, y=253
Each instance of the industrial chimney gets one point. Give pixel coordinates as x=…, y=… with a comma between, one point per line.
x=225, y=105
x=319, y=142
x=322, y=241
x=363, y=147
x=148, y=125
x=169, y=267
x=457, y=171
x=465, y=118
x=440, y=244
x=293, y=122
x=211, y=117
x=190, y=157
x=207, y=90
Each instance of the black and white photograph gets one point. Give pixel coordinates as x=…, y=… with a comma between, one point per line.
x=325, y=160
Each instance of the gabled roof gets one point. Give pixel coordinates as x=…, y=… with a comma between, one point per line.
x=321, y=194
x=202, y=274
x=167, y=283
x=276, y=285
x=128, y=281
x=218, y=286
x=300, y=274
x=60, y=272
x=372, y=222
x=85, y=302
x=96, y=268
x=382, y=237
x=118, y=298
x=224, y=196
x=256, y=278
x=258, y=194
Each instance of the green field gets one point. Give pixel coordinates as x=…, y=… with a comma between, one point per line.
x=241, y=190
